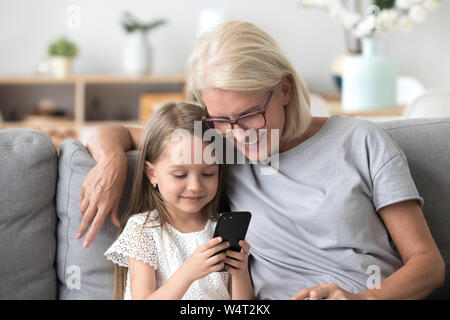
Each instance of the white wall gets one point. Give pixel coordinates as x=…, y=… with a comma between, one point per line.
x=309, y=37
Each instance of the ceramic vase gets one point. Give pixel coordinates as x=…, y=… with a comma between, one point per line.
x=61, y=66
x=368, y=80
x=136, y=54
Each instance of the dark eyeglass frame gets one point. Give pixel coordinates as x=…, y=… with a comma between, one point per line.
x=209, y=121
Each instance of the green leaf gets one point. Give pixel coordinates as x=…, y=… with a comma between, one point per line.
x=131, y=23
x=384, y=4
x=63, y=47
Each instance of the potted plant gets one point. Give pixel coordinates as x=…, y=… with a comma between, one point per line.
x=137, y=52
x=62, y=52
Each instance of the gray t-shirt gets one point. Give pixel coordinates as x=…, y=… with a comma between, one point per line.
x=316, y=219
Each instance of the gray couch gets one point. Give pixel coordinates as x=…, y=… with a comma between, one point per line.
x=39, y=213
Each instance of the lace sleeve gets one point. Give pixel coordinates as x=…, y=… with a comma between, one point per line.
x=135, y=241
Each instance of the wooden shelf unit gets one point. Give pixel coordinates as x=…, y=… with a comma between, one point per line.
x=79, y=82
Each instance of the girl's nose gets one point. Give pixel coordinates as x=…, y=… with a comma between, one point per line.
x=194, y=183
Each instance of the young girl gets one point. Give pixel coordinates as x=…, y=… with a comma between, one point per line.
x=164, y=249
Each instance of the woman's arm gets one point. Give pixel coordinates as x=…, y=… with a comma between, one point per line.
x=102, y=187
x=423, y=268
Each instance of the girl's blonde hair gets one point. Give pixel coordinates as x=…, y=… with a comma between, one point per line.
x=145, y=198
x=239, y=56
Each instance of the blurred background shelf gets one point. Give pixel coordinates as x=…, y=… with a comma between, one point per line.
x=71, y=107
x=84, y=97
x=335, y=107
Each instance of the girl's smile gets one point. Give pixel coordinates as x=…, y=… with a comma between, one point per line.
x=193, y=199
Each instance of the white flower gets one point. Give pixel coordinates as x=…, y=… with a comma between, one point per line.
x=324, y=4
x=349, y=19
x=417, y=13
x=365, y=27
x=403, y=4
x=405, y=24
x=335, y=10
x=388, y=18
x=431, y=5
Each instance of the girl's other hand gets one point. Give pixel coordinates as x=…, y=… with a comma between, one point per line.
x=100, y=194
x=237, y=262
x=204, y=261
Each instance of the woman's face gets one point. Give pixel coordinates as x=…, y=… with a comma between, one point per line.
x=232, y=104
x=185, y=186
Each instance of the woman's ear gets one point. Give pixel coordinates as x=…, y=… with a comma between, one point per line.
x=150, y=172
x=286, y=90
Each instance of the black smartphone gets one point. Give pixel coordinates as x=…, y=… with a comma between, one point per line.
x=232, y=227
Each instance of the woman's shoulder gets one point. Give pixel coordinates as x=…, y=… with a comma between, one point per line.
x=352, y=123
x=362, y=134
x=360, y=128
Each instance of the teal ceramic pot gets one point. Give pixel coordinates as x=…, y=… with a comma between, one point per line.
x=368, y=80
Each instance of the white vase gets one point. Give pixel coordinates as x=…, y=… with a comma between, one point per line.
x=61, y=66
x=368, y=80
x=136, y=54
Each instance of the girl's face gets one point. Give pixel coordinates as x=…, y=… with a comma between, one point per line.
x=233, y=104
x=185, y=187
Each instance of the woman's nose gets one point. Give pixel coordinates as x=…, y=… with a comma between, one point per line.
x=239, y=134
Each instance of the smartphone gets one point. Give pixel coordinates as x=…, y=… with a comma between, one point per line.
x=232, y=227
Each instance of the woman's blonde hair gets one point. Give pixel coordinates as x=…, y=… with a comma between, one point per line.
x=239, y=56
x=145, y=198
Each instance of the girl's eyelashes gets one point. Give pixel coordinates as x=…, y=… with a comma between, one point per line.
x=209, y=174
x=205, y=174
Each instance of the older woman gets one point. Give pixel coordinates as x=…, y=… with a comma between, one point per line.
x=340, y=218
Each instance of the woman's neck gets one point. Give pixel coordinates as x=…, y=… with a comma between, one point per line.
x=314, y=127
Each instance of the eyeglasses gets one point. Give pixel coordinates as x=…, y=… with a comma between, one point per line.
x=252, y=120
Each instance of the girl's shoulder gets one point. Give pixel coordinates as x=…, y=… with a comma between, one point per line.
x=147, y=219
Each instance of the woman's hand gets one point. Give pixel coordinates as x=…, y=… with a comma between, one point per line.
x=100, y=194
x=325, y=291
x=236, y=263
x=204, y=261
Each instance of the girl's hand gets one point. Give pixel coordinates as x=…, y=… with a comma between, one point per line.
x=100, y=194
x=203, y=261
x=237, y=262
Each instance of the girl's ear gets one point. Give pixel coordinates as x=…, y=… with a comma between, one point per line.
x=150, y=172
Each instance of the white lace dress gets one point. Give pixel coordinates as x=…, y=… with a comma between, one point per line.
x=166, y=249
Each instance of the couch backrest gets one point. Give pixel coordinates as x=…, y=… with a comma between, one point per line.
x=426, y=143
x=28, y=173
x=83, y=273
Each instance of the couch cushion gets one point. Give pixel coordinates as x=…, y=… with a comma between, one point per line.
x=28, y=174
x=426, y=143
x=83, y=273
